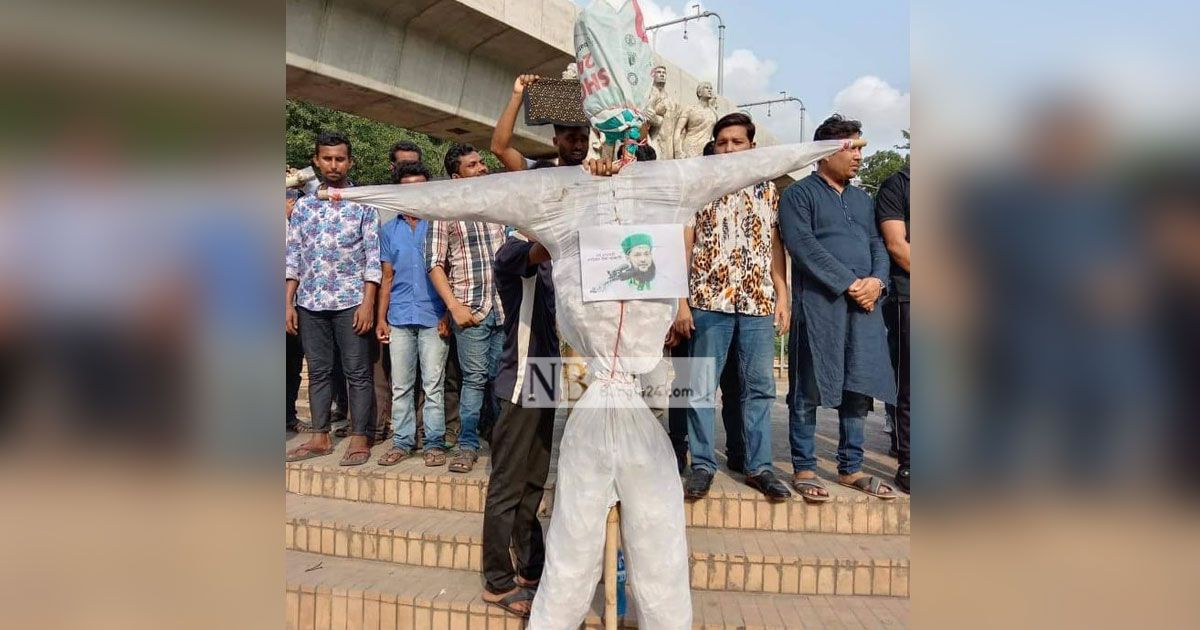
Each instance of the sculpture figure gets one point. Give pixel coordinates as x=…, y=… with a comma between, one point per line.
x=661, y=114
x=694, y=127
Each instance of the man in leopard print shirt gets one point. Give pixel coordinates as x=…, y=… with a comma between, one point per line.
x=739, y=299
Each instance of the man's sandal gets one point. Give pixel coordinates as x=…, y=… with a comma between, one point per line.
x=810, y=483
x=435, y=457
x=306, y=451
x=520, y=595
x=872, y=486
x=393, y=456
x=464, y=461
x=356, y=457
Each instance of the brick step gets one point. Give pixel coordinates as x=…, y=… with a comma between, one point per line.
x=729, y=505
x=329, y=592
x=721, y=560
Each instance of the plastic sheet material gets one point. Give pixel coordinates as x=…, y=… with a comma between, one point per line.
x=612, y=448
x=614, y=58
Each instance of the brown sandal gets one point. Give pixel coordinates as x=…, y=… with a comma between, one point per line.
x=393, y=456
x=306, y=451
x=356, y=457
x=435, y=457
x=464, y=461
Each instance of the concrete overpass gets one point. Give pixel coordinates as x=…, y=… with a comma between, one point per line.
x=441, y=67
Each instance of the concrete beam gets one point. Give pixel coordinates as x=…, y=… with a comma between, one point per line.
x=441, y=67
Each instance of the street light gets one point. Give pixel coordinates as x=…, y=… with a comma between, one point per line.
x=783, y=99
x=720, y=38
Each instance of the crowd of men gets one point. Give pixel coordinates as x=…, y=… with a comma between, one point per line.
x=375, y=309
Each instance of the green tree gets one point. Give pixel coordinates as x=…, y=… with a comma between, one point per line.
x=371, y=140
x=879, y=166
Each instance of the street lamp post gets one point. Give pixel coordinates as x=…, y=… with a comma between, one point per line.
x=783, y=99
x=720, y=39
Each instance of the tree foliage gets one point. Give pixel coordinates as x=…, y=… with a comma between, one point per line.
x=879, y=166
x=370, y=139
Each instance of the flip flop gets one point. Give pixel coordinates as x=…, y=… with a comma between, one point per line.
x=464, y=461
x=355, y=458
x=521, y=595
x=435, y=457
x=871, y=486
x=304, y=451
x=393, y=456
x=800, y=483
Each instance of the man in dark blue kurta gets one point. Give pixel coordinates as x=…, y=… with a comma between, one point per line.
x=838, y=345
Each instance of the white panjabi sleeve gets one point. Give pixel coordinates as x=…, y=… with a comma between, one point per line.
x=504, y=198
x=704, y=179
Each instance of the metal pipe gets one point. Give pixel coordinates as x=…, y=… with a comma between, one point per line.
x=720, y=41
x=720, y=53
x=784, y=99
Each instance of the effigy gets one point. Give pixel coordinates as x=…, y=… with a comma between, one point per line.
x=612, y=449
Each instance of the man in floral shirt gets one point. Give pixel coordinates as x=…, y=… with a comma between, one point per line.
x=332, y=276
x=738, y=296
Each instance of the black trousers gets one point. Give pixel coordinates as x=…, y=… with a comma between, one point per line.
x=294, y=363
x=520, y=445
x=731, y=410
x=328, y=336
x=898, y=330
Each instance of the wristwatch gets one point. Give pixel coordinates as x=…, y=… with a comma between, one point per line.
x=882, y=287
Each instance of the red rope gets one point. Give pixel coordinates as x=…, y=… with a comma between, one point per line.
x=620, y=324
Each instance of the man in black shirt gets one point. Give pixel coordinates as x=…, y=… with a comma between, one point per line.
x=522, y=436
x=891, y=212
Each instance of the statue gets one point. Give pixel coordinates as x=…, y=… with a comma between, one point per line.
x=694, y=127
x=661, y=114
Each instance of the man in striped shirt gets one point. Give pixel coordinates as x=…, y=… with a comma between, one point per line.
x=460, y=257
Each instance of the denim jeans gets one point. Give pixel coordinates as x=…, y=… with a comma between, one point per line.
x=755, y=336
x=479, y=350
x=410, y=347
x=803, y=400
x=329, y=340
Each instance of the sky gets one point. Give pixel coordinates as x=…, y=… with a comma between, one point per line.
x=836, y=57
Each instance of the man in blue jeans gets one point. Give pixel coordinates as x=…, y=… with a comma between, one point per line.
x=839, y=352
x=738, y=292
x=460, y=256
x=408, y=322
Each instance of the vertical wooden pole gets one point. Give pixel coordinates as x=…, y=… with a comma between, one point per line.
x=612, y=536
